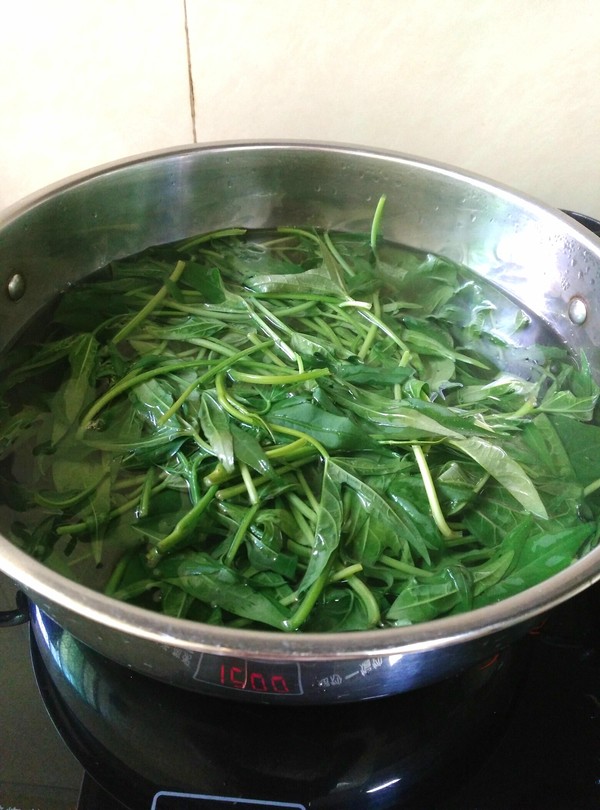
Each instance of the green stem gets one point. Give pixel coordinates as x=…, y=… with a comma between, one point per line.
x=189, y=473
x=289, y=452
x=300, y=435
x=317, y=324
x=271, y=333
x=308, y=493
x=317, y=298
x=240, y=489
x=146, y=493
x=208, y=237
x=336, y=255
x=434, y=504
x=302, y=612
x=93, y=522
x=301, y=233
x=118, y=571
x=272, y=317
x=228, y=403
x=128, y=382
x=150, y=306
x=346, y=573
x=527, y=408
x=591, y=488
x=241, y=533
x=135, y=589
x=376, y=223
x=374, y=319
x=299, y=550
x=212, y=372
x=67, y=500
x=403, y=567
x=302, y=507
x=254, y=338
x=249, y=483
x=373, y=330
x=352, y=302
x=306, y=531
x=215, y=346
x=368, y=600
x=183, y=528
x=298, y=309
x=279, y=379
x=235, y=409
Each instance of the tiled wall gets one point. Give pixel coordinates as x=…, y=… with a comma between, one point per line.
x=506, y=88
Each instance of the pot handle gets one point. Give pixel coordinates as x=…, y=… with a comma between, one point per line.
x=20, y=614
x=589, y=222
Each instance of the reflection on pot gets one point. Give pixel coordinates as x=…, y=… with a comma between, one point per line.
x=138, y=737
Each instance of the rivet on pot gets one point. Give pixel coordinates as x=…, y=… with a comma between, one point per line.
x=16, y=287
x=578, y=310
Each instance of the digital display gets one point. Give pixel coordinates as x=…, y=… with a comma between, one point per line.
x=166, y=800
x=260, y=677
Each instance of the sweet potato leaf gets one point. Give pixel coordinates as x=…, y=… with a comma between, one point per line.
x=297, y=430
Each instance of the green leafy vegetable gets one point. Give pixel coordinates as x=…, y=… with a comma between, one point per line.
x=297, y=430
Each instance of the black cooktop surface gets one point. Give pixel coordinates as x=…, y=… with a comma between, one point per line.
x=539, y=748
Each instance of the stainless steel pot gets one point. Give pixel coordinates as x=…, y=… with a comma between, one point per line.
x=538, y=255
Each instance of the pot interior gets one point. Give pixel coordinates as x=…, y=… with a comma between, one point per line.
x=537, y=256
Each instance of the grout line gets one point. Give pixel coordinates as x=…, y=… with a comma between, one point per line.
x=190, y=77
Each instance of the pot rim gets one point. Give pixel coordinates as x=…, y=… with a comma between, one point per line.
x=43, y=585
x=475, y=179
x=46, y=586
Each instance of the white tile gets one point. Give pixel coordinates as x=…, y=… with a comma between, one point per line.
x=87, y=83
x=509, y=90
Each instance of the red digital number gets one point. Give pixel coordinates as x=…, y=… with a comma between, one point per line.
x=233, y=676
x=257, y=681
x=279, y=684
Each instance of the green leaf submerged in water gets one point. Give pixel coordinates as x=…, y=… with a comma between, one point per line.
x=297, y=430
